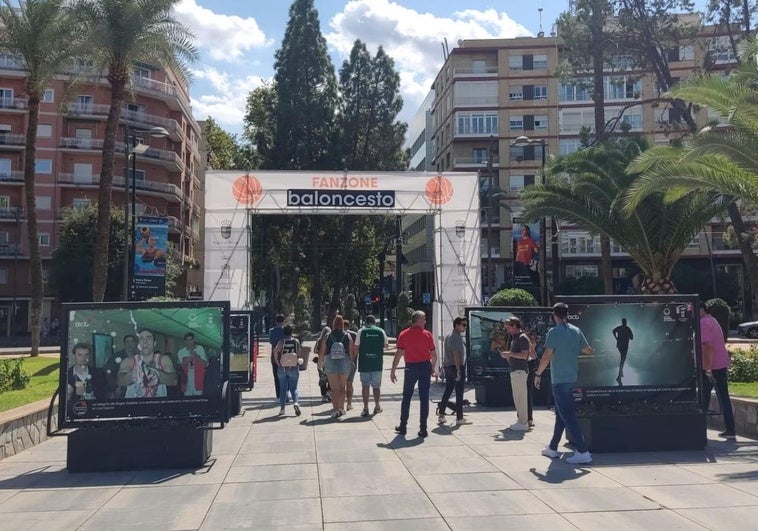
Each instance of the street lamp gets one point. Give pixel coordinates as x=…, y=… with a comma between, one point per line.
x=524, y=141
x=132, y=149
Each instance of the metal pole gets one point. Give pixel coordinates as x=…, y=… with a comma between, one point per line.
x=380, y=305
x=134, y=203
x=543, y=238
x=490, y=190
x=16, y=246
x=127, y=236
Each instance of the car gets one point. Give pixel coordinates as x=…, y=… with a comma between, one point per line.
x=749, y=329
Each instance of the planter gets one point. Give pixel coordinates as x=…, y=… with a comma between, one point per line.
x=636, y=433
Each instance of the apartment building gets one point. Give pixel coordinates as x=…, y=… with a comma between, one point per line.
x=489, y=92
x=68, y=162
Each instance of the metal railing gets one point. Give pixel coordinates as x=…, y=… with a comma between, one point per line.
x=80, y=143
x=118, y=182
x=139, y=117
x=11, y=62
x=10, y=212
x=13, y=103
x=11, y=139
x=12, y=176
x=10, y=249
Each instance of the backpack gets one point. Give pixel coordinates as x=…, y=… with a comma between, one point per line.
x=337, y=349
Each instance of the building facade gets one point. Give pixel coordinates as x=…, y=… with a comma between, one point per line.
x=72, y=121
x=490, y=92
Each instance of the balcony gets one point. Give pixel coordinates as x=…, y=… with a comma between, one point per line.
x=487, y=71
x=174, y=225
x=143, y=185
x=99, y=111
x=10, y=249
x=471, y=162
x=12, y=62
x=12, y=141
x=12, y=213
x=165, y=90
x=14, y=104
x=11, y=177
x=165, y=158
x=84, y=144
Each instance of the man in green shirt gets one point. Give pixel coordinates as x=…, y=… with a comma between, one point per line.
x=371, y=342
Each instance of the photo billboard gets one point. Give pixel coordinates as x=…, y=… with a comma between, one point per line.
x=526, y=255
x=486, y=333
x=150, y=254
x=240, y=349
x=644, y=347
x=165, y=360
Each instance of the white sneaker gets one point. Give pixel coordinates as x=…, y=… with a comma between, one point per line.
x=462, y=421
x=281, y=411
x=519, y=427
x=549, y=452
x=441, y=419
x=580, y=458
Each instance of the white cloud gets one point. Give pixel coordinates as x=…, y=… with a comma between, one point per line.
x=226, y=37
x=227, y=102
x=413, y=39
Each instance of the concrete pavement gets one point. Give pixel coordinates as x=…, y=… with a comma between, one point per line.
x=313, y=473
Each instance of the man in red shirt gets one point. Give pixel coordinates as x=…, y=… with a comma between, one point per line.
x=416, y=346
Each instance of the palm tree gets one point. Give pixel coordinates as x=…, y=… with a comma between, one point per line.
x=44, y=35
x=718, y=160
x=123, y=32
x=654, y=234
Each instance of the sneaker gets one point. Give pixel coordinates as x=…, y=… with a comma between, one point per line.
x=377, y=410
x=334, y=414
x=364, y=413
x=580, y=458
x=400, y=430
x=297, y=409
x=728, y=435
x=422, y=432
x=570, y=445
x=531, y=424
x=549, y=452
x=441, y=419
x=349, y=407
x=281, y=411
x=462, y=421
x=326, y=399
x=519, y=427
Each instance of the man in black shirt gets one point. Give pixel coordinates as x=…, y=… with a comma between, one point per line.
x=517, y=357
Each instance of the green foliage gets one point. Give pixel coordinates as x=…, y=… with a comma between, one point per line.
x=404, y=310
x=581, y=286
x=302, y=314
x=512, y=297
x=260, y=123
x=12, y=375
x=720, y=311
x=744, y=367
x=224, y=151
x=350, y=311
x=696, y=278
x=44, y=381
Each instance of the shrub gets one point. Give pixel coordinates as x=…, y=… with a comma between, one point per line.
x=719, y=309
x=512, y=297
x=12, y=375
x=744, y=366
x=404, y=310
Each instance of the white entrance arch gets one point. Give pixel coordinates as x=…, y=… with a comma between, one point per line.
x=452, y=199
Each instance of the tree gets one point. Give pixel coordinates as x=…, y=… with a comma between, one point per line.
x=306, y=95
x=259, y=123
x=654, y=232
x=45, y=35
x=222, y=146
x=122, y=32
x=372, y=139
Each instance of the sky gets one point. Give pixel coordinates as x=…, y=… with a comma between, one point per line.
x=237, y=40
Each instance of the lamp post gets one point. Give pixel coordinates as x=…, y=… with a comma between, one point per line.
x=524, y=141
x=132, y=149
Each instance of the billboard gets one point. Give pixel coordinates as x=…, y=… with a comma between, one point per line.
x=240, y=349
x=150, y=254
x=122, y=361
x=526, y=256
x=643, y=347
x=486, y=333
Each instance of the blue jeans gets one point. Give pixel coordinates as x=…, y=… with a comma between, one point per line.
x=288, y=377
x=565, y=417
x=722, y=393
x=420, y=373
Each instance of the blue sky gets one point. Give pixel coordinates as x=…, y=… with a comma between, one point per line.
x=237, y=40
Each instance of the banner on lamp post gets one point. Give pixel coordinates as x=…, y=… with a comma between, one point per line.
x=526, y=255
x=150, y=254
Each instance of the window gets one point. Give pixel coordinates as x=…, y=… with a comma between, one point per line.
x=44, y=130
x=5, y=201
x=568, y=145
x=577, y=91
x=480, y=155
x=143, y=73
x=44, y=239
x=139, y=176
x=4, y=236
x=519, y=181
x=686, y=53
x=43, y=165
x=540, y=92
x=516, y=62
x=516, y=94
x=478, y=66
x=80, y=204
x=621, y=87
x=5, y=167
x=577, y=271
x=3, y=276
x=48, y=96
x=476, y=124
x=539, y=62
x=516, y=123
x=475, y=93
x=540, y=122
x=6, y=97
x=44, y=202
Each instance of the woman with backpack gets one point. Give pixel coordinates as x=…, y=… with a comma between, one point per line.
x=288, y=358
x=335, y=360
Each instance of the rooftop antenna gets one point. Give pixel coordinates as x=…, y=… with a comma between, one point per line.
x=540, y=33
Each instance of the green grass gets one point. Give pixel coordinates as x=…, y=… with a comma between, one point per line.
x=749, y=389
x=44, y=373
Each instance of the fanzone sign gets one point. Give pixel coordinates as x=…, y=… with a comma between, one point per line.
x=340, y=198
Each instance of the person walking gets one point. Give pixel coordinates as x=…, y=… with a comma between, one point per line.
x=716, y=362
x=623, y=335
x=563, y=344
x=353, y=367
x=518, y=360
x=454, y=365
x=416, y=346
x=323, y=380
x=275, y=335
x=287, y=355
x=336, y=362
x=370, y=343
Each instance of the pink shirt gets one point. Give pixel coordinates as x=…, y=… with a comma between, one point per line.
x=711, y=334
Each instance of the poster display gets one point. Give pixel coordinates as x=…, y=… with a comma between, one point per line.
x=240, y=348
x=643, y=347
x=526, y=256
x=150, y=254
x=487, y=334
x=164, y=360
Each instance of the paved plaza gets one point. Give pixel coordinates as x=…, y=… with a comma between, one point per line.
x=314, y=473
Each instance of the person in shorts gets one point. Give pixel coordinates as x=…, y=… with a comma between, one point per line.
x=370, y=343
x=353, y=367
x=334, y=359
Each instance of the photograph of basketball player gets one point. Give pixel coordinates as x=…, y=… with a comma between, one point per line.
x=623, y=335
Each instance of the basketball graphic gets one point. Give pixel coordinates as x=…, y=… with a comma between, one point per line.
x=247, y=189
x=439, y=190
